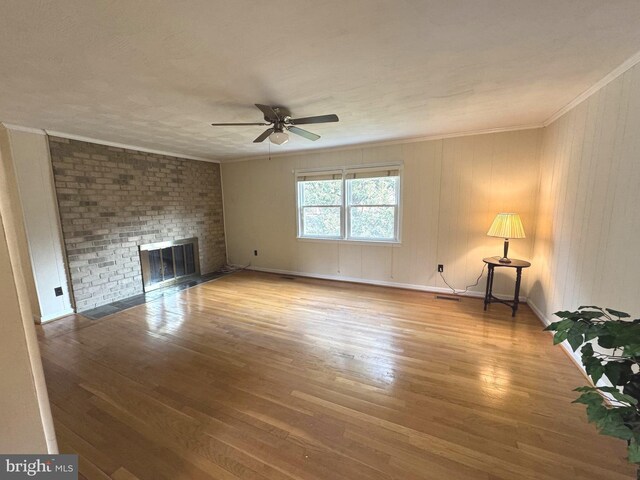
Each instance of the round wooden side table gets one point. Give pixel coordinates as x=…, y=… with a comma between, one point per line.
x=492, y=263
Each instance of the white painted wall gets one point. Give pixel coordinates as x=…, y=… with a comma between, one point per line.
x=26, y=425
x=30, y=152
x=452, y=189
x=586, y=250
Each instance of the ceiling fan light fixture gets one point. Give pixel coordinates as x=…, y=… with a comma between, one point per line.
x=279, y=138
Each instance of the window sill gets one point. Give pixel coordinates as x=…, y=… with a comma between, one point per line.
x=376, y=243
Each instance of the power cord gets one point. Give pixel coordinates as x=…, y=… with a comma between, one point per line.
x=455, y=292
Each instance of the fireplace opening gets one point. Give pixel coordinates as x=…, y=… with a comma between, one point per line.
x=166, y=263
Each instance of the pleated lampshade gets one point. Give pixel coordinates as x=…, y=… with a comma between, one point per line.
x=507, y=225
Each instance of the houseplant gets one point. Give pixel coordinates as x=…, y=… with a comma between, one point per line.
x=613, y=366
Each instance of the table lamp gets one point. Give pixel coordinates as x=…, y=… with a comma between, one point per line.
x=506, y=225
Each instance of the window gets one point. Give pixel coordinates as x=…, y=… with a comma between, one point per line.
x=350, y=204
x=320, y=205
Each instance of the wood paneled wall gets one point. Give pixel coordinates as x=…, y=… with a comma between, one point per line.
x=452, y=189
x=586, y=249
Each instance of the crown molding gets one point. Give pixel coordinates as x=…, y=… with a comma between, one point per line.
x=615, y=73
x=54, y=133
x=20, y=128
x=80, y=138
x=385, y=143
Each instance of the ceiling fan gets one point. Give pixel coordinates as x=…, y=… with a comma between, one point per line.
x=280, y=122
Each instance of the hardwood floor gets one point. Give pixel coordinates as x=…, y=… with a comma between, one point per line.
x=255, y=376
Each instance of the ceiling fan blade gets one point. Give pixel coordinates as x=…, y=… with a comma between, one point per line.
x=237, y=124
x=269, y=113
x=303, y=133
x=264, y=135
x=316, y=119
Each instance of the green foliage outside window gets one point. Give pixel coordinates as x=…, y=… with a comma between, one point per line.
x=322, y=192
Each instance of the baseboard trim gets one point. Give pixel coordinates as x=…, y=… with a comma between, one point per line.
x=380, y=283
x=55, y=316
x=575, y=357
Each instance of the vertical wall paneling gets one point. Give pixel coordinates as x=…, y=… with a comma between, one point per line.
x=37, y=195
x=25, y=414
x=452, y=189
x=589, y=221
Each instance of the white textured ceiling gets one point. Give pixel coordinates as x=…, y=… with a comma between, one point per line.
x=156, y=73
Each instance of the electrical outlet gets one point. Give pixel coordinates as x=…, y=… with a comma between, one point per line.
x=255, y=253
x=440, y=268
x=58, y=291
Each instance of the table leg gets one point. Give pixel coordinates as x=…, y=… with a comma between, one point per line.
x=516, y=298
x=489, y=289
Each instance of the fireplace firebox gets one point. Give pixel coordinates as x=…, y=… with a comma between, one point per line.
x=166, y=263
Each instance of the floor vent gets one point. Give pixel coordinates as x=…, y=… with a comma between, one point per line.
x=442, y=297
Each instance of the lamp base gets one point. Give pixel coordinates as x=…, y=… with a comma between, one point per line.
x=504, y=258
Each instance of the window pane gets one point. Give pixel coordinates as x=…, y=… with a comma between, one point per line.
x=321, y=221
x=321, y=192
x=375, y=223
x=373, y=191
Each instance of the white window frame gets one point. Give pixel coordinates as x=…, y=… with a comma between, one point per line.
x=300, y=208
x=345, y=207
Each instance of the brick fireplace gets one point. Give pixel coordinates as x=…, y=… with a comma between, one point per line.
x=113, y=200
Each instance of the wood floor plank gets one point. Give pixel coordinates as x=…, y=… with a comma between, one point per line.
x=254, y=376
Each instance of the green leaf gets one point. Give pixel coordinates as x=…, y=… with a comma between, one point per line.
x=587, y=352
x=618, y=430
x=631, y=350
x=590, y=315
x=621, y=397
x=634, y=451
x=596, y=373
x=553, y=326
x=585, y=389
x=575, y=339
x=565, y=324
x=593, y=332
x=607, y=389
x=580, y=327
x=594, y=368
x=633, y=386
x=590, y=307
x=606, y=341
x=618, y=372
x=560, y=337
x=590, y=398
x=596, y=413
x=622, y=332
x=617, y=313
